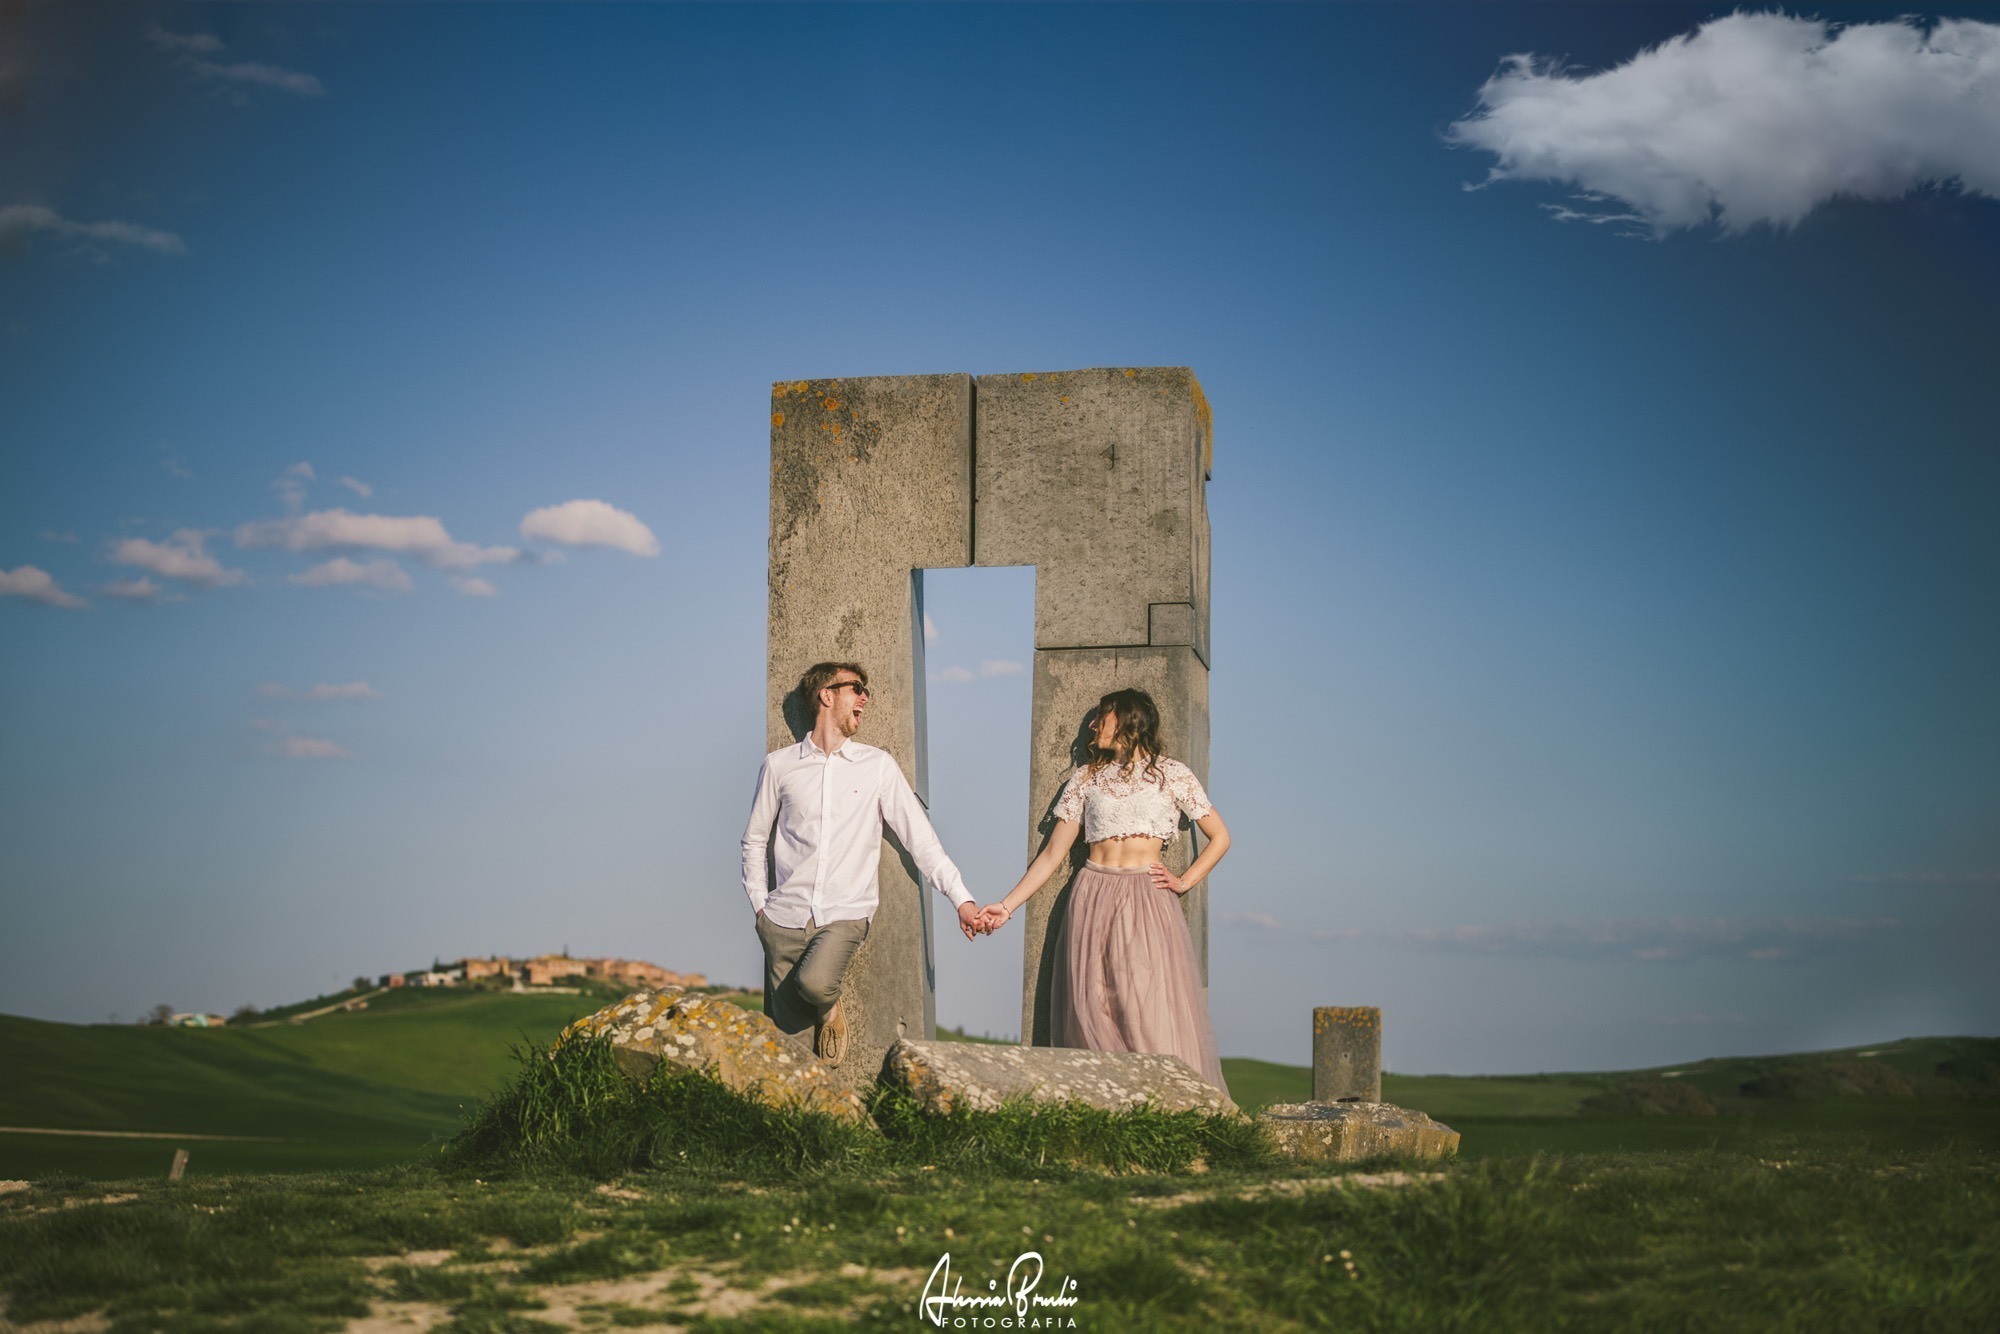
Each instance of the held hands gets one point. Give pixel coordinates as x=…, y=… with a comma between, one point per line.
x=971, y=921
x=994, y=916
x=1165, y=879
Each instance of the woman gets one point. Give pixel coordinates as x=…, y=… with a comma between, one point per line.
x=1125, y=976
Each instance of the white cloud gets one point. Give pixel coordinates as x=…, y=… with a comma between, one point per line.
x=1928, y=878
x=51, y=535
x=590, y=523
x=291, y=485
x=262, y=75
x=474, y=587
x=930, y=629
x=141, y=589
x=382, y=573
x=417, y=535
x=192, y=43
x=1648, y=940
x=18, y=222
x=359, y=488
x=312, y=748
x=180, y=557
x=988, y=669
x=1751, y=118
x=36, y=585
x=345, y=690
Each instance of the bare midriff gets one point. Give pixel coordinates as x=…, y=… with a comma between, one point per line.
x=1126, y=852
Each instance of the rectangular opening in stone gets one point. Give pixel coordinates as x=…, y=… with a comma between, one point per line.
x=978, y=658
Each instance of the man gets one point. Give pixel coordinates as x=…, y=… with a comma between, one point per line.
x=829, y=797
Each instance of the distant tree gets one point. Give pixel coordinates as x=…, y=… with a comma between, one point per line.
x=358, y=984
x=244, y=1014
x=159, y=1014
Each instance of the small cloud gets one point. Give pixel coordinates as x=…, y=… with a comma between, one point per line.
x=417, y=535
x=359, y=488
x=291, y=485
x=184, y=43
x=37, y=585
x=141, y=589
x=384, y=574
x=1928, y=879
x=312, y=748
x=1698, y=1019
x=347, y=690
x=989, y=669
x=590, y=523
x=1259, y=921
x=265, y=725
x=20, y=222
x=50, y=535
x=173, y=464
x=180, y=557
x=474, y=587
x=930, y=629
x=1752, y=118
x=261, y=75
x=1767, y=952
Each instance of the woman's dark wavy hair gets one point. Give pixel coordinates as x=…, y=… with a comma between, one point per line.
x=1138, y=729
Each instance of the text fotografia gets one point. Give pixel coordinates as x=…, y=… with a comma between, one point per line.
x=1017, y=1306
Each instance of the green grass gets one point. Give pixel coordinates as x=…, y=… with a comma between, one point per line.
x=1826, y=1239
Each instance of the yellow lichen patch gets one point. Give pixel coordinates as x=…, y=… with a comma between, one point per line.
x=777, y=420
x=1129, y=374
x=1027, y=376
x=830, y=403
x=1065, y=398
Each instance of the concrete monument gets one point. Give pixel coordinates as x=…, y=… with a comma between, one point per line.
x=1097, y=478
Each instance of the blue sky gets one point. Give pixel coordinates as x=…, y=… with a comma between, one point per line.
x=1604, y=632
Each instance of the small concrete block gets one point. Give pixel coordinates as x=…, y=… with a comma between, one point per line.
x=982, y=1077
x=1172, y=623
x=1347, y=1053
x=1348, y=1132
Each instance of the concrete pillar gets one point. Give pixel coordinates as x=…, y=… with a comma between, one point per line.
x=871, y=481
x=1347, y=1053
x=1098, y=479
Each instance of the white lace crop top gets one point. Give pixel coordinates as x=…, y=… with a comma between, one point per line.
x=1130, y=803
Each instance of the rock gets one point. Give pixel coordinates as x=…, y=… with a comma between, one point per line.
x=739, y=1048
x=944, y=1076
x=1346, y=1132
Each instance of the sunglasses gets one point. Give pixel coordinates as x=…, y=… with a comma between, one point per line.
x=858, y=687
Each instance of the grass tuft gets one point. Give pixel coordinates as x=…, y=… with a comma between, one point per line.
x=575, y=1111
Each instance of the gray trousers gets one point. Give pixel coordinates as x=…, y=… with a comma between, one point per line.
x=805, y=967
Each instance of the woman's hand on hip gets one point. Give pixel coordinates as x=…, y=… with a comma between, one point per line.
x=1165, y=879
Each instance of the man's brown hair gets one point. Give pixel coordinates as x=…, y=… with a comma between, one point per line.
x=819, y=676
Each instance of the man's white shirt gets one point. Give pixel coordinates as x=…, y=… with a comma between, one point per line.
x=828, y=811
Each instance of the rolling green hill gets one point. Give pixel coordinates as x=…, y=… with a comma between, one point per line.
x=359, y=1088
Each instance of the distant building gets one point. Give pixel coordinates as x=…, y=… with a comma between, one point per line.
x=194, y=1020
x=546, y=970
x=474, y=969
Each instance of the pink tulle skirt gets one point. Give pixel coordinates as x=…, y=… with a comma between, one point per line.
x=1125, y=975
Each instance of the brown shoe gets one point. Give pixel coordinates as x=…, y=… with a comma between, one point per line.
x=833, y=1036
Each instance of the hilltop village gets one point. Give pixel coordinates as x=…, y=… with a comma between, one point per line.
x=544, y=970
